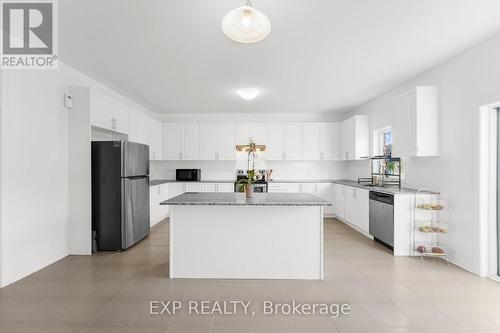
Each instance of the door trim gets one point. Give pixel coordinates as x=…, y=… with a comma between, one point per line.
x=487, y=177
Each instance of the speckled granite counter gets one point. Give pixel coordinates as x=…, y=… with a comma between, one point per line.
x=239, y=199
x=388, y=190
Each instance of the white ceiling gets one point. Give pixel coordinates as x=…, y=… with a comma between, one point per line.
x=321, y=55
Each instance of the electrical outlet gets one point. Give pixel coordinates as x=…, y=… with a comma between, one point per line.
x=68, y=100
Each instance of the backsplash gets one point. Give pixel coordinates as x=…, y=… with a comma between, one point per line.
x=226, y=170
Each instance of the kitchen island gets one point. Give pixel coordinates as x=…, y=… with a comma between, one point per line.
x=227, y=236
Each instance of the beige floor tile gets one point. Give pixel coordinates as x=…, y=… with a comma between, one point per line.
x=231, y=329
x=387, y=294
x=84, y=312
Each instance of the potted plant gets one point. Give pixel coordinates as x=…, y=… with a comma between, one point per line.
x=247, y=182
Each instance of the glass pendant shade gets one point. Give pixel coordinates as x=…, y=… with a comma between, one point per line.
x=246, y=25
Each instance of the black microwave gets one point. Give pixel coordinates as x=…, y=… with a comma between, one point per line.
x=188, y=175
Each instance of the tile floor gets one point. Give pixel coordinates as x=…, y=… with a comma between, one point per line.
x=110, y=292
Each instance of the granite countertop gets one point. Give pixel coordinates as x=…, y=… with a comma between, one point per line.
x=239, y=199
x=388, y=190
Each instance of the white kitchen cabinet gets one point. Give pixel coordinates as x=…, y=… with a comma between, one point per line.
x=190, y=142
x=339, y=200
x=225, y=187
x=108, y=113
x=181, y=141
x=275, y=141
x=332, y=141
x=321, y=141
x=283, y=187
x=321, y=190
x=293, y=141
x=355, y=138
x=284, y=141
x=193, y=187
x=158, y=194
x=136, y=131
x=415, y=123
x=255, y=131
x=209, y=141
x=175, y=189
x=357, y=208
x=101, y=110
x=217, y=141
x=172, y=141
x=226, y=141
x=153, y=135
x=208, y=187
x=311, y=141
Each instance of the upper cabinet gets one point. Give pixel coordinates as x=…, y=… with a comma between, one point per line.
x=255, y=131
x=284, y=141
x=355, y=138
x=217, y=141
x=108, y=113
x=321, y=141
x=181, y=141
x=415, y=122
x=146, y=130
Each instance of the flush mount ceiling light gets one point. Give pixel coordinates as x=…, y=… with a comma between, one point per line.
x=246, y=24
x=248, y=93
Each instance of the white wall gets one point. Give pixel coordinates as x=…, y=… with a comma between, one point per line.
x=466, y=82
x=34, y=185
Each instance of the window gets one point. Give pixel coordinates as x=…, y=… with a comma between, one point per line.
x=382, y=141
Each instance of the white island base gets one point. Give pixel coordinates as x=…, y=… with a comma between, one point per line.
x=246, y=242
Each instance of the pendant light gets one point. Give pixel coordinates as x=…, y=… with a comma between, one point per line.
x=246, y=24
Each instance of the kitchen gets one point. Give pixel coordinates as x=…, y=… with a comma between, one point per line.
x=373, y=173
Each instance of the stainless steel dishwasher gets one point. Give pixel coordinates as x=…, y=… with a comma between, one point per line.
x=382, y=218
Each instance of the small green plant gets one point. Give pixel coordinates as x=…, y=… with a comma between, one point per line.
x=391, y=167
x=251, y=178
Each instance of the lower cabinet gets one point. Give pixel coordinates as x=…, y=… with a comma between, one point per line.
x=339, y=200
x=158, y=194
x=322, y=190
x=351, y=204
x=225, y=187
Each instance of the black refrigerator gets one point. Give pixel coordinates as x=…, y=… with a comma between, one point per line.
x=120, y=194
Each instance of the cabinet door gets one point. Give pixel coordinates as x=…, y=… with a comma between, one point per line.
x=350, y=205
x=225, y=187
x=275, y=141
x=208, y=141
x=120, y=117
x=404, y=123
x=193, y=187
x=324, y=191
x=339, y=200
x=243, y=133
x=164, y=195
x=259, y=133
x=293, y=141
x=309, y=188
x=156, y=140
x=226, y=142
x=101, y=110
x=175, y=189
x=363, y=209
x=153, y=203
x=135, y=130
x=332, y=142
x=208, y=187
x=311, y=141
x=190, y=142
x=172, y=141
x=348, y=128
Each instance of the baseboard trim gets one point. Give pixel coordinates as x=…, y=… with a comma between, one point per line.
x=7, y=280
x=367, y=235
